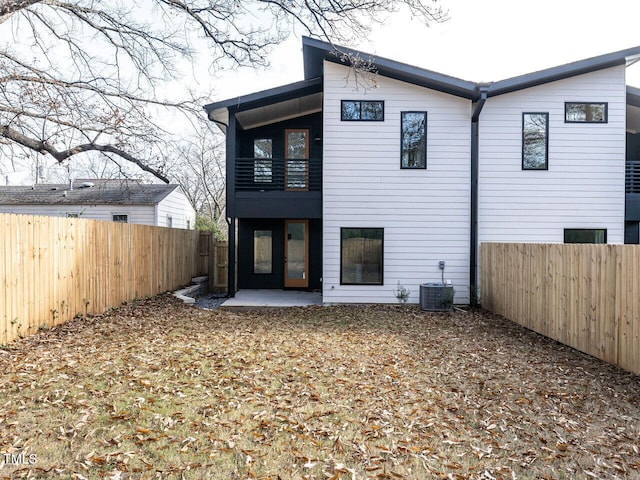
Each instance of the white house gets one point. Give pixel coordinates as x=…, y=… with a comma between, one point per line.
x=163, y=205
x=354, y=189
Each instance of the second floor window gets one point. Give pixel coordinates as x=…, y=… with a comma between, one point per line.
x=576, y=112
x=263, y=165
x=413, y=140
x=362, y=110
x=535, y=141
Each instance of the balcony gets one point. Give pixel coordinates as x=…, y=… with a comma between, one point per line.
x=277, y=174
x=277, y=188
x=632, y=191
x=632, y=176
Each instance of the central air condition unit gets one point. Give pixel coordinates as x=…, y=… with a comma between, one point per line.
x=436, y=297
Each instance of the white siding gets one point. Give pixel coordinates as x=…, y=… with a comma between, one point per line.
x=424, y=213
x=176, y=206
x=584, y=186
x=140, y=214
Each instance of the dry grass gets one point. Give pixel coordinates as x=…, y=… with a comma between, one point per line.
x=157, y=389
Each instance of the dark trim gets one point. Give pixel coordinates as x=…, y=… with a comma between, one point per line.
x=585, y=230
x=381, y=257
x=562, y=71
x=230, y=167
x=606, y=112
x=231, y=262
x=342, y=119
x=268, y=97
x=316, y=51
x=426, y=130
x=546, y=140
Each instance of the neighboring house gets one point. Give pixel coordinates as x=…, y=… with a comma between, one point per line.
x=115, y=200
x=348, y=189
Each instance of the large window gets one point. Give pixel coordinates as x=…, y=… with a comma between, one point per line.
x=361, y=256
x=263, y=251
x=362, y=110
x=585, y=235
x=414, y=140
x=577, y=112
x=535, y=141
x=263, y=165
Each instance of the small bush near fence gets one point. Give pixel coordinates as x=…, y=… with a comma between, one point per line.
x=53, y=269
x=585, y=296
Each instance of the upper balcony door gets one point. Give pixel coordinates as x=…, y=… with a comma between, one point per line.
x=296, y=154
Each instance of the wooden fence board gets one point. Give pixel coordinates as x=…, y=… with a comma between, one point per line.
x=52, y=268
x=585, y=296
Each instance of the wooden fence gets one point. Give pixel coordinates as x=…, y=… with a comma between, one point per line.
x=585, y=296
x=53, y=269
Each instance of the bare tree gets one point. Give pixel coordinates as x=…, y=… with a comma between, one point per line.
x=198, y=167
x=80, y=76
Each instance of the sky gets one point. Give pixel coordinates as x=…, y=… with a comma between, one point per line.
x=483, y=40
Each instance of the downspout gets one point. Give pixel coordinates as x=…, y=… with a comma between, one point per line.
x=473, y=246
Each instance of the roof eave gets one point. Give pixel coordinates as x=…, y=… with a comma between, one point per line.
x=316, y=51
x=561, y=72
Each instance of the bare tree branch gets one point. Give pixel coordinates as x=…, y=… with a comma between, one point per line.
x=85, y=77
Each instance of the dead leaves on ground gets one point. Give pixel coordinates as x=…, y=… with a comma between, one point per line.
x=157, y=389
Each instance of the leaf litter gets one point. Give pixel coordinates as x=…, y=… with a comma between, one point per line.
x=158, y=389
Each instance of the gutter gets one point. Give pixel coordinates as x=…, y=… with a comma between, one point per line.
x=473, y=245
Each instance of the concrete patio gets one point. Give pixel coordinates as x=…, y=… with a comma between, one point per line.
x=273, y=298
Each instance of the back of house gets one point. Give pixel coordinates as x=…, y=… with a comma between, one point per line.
x=357, y=182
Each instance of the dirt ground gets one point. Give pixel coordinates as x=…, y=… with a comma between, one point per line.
x=158, y=389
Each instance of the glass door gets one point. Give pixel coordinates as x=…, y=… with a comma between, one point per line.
x=296, y=163
x=296, y=253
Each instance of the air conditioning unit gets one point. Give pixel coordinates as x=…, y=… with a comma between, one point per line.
x=436, y=297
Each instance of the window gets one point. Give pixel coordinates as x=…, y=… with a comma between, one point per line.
x=585, y=235
x=263, y=168
x=188, y=224
x=73, y=215
x=535, y=141
x=120, y=218
x=362, y=110
x=169, y=221
x=262, y=251
x=414, y=140
x=576, y=112
x=361, y=255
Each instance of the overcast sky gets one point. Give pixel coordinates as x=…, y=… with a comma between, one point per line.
x=484, y=40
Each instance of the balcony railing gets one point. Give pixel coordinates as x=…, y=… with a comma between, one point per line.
x=277, y=174
x=632, y=176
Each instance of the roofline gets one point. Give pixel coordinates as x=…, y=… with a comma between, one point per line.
x=561, y=72
x=315, y=50
x=266, y=97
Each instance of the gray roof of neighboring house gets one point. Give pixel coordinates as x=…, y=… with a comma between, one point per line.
x=102, y=192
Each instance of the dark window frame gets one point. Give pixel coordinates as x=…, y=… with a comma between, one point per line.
x=120, y=220
x=546, y=143
x=342, y=282
x=606, y=112
x=566, y=230
x=343, y=119
x=426, y=131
